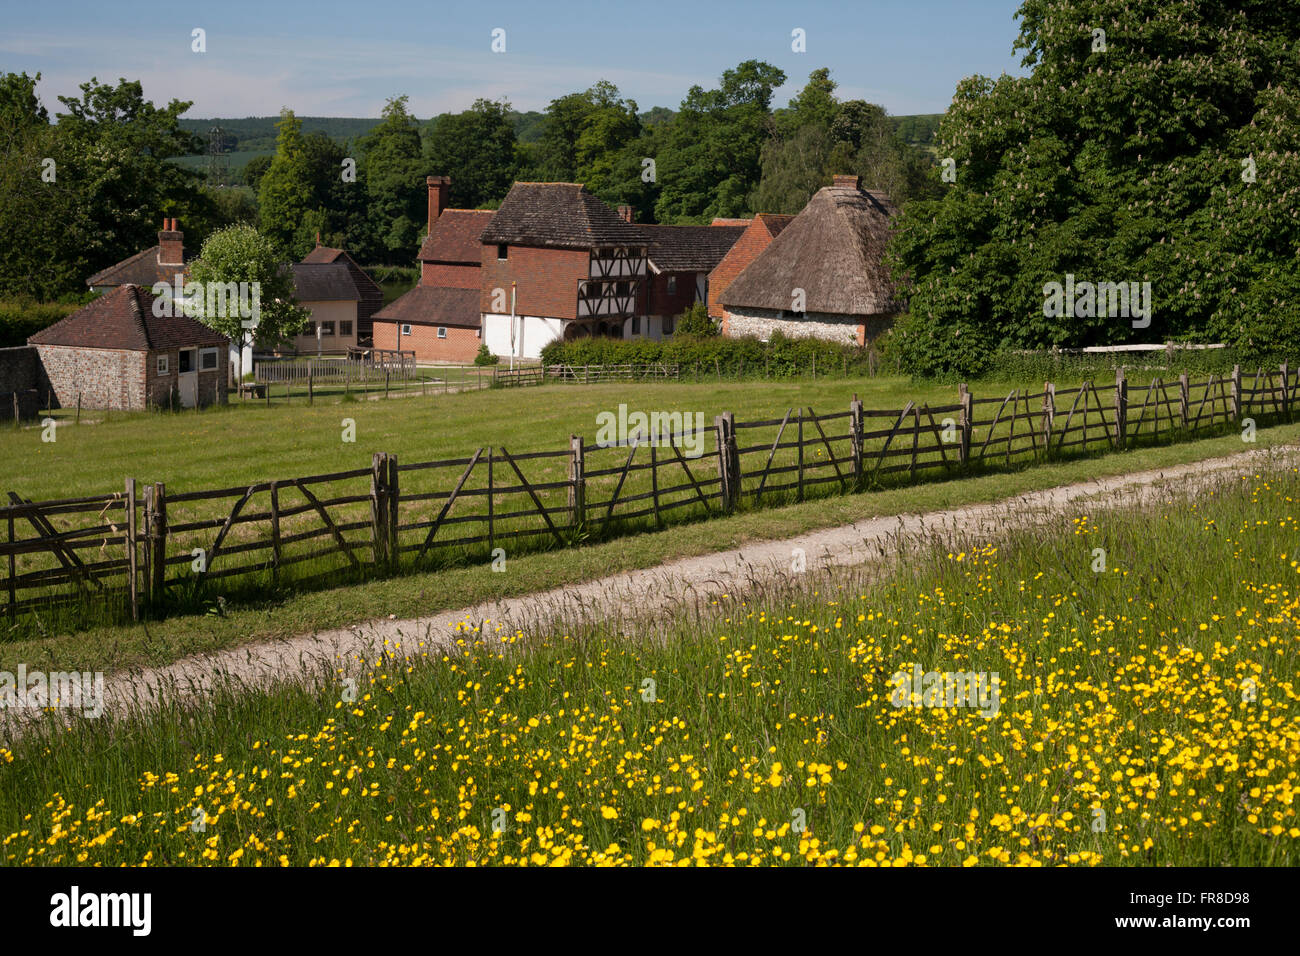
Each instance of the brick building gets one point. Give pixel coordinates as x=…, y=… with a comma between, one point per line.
x=116, y=353
x=823, y=275
x=159, y=263
x=439, y=319
x=757, y=235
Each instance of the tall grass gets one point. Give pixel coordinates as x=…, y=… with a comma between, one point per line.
x=1147, y=715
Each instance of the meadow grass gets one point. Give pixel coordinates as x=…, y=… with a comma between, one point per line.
x=1146, y=715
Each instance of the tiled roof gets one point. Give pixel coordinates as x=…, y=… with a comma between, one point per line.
x=143, y=268
x=323, y=282
x=688, y=248
x=434, y=305
x=123, y=319
x=455, y=237
x=719, y=221
x=774, y=222
x=561, y=215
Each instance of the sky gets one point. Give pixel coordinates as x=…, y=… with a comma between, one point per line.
x=325, y=58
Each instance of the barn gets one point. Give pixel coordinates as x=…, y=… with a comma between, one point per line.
x=116, y=353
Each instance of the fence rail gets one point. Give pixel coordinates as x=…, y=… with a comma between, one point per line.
x=146, y=542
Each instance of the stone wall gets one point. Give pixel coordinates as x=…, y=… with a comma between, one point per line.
x=104, y=378
x=846, y=329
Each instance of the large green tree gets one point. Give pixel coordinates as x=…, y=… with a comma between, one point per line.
x=1152, y=141
x=391, y=168
x=477, y=149
x=709, y=162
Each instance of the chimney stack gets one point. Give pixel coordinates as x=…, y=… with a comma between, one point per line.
x=171, y=249
x=439, y=187
x=625, y=212
x=846, y=182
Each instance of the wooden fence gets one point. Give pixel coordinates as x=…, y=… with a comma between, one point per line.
x=594, y=374
x=146, y=542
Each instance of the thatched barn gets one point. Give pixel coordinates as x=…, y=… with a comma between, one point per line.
x=823, y=275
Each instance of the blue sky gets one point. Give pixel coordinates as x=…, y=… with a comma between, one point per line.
x=324, y=58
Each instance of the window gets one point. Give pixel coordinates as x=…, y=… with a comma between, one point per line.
x=636, y=326
x=163, y=365
x=186, y=363
x=406, y=330
x=326, y=328
x=345, y=327
x=502, y=250
x=442, y=332
x=622, y=288
x=209, y=359
x=672, y=285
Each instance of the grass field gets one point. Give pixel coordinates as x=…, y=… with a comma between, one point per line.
x=1146, y=714
x=233, y=446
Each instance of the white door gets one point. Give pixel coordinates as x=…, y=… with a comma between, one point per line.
x=187, y=378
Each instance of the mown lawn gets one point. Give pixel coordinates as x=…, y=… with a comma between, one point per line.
x=1146, y=713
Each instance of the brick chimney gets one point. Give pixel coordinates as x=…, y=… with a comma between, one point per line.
x=846, y=182
x=439, y=187
x=625, y=212
x=171, y=250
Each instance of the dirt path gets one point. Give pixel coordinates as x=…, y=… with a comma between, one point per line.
x=649, y=591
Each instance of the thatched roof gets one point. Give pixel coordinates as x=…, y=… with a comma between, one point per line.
x=560, y=215
x=833, y=250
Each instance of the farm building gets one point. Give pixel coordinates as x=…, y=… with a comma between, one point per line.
x=116, y=353
x=159, y=263
x=327, y=290
x=371, y=296
x=757, y=236
x=557, y=263
x=823, y=275
x=439, y=319
x=681, y=259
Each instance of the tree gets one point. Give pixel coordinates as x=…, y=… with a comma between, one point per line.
x=1119, y=158
x=391, y=168
x=710, y=161
x=240, y=254
x=695, y=321
x=477, y=149
x=255, y=169
x=286, y=193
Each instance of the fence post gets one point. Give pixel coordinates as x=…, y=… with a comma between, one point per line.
x=1286, y=391
x=577, y=481
x=855, y=439
x=13, y=572
x=1121, y=408
x=157, y=532
x=378, y=504
x=799, y=472
x=1049, y=416
x=728, y=460
x=275, y=530
x=132, y=552
x=311, y=387
x=966, y=400
x=394, y=553
x=1184, y=396
x=490, y=508
x=1236, y=393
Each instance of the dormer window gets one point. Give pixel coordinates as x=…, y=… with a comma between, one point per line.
x=502, y=251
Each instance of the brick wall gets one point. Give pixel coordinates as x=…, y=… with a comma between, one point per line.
x=548, y=280
x=460, y=345
x=848, y=329
x=751, y=242
x=450, y=276
x=211, y=386
x=105, y=378
x=661, y=302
